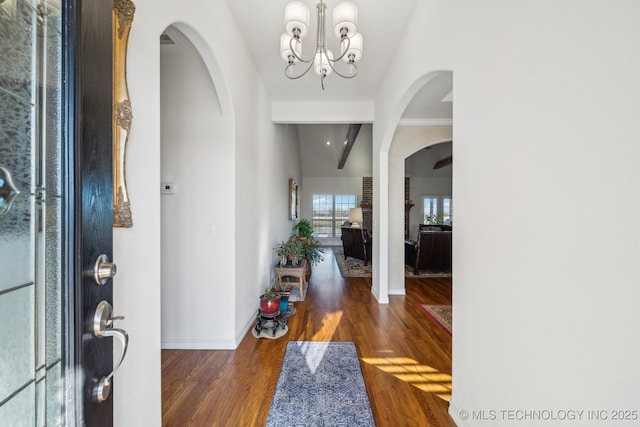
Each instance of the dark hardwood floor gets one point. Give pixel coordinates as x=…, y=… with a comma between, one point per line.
x=405, y=357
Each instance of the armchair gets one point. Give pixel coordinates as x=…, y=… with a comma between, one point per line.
x=356, y=243
x=431, y=251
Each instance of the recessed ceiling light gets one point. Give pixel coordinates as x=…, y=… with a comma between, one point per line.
x=328, y=142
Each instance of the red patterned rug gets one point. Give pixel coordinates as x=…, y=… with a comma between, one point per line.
x=439, y=313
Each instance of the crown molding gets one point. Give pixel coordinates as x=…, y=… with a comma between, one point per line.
x=425, y=122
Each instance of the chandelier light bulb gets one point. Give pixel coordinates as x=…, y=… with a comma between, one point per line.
x=285, y=48
x=354, y=51
x=321, y=63
x=297, y=15
x=345, y=15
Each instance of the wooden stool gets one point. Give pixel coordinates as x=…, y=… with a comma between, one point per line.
x=298, y=271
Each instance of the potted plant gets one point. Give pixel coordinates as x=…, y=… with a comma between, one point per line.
x=291, y=250
x=303, y=229
x=284, y=290
x=312, y=252
x=269, y=301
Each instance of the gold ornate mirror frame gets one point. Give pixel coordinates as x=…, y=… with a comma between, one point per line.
x=293, y=199
x=123, y=11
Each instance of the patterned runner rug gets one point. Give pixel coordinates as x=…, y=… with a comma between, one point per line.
x=320, y=384
x=352, y=267
x=441, y=314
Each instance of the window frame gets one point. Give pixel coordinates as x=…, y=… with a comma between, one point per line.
x=440, y=208
x=336, y=221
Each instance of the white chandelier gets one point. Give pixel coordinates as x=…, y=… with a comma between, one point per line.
x=345, y=26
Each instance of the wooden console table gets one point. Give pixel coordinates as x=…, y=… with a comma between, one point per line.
x=299, y=271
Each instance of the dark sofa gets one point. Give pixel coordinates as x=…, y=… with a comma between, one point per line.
x=356, y=243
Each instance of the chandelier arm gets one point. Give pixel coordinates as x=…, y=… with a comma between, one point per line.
x=344, y=76
x=345, y=51
x=302, y=74
x=294, y=52
x=321, y=49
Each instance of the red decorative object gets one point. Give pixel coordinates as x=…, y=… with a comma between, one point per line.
x=269, y=306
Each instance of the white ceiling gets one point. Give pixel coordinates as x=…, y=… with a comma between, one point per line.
x=381, y=23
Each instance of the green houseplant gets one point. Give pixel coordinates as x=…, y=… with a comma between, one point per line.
x=303, y=228
x=312, y=252
x=290, y=250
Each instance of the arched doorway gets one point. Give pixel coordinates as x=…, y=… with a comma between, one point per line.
x=196, y=148
x=425, y=121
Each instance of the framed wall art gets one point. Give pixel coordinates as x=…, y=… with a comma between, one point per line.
x=123, y=13
x=293, y=199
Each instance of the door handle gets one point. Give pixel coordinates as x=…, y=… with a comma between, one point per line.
x=103, y=270
x=103, y=327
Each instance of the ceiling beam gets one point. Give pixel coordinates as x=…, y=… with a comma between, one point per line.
x=352, y=134
x=444, y=162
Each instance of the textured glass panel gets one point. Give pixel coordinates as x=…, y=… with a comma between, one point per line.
x=53, y=84
x=20, y=410
x=16, y=244
x=17, y=92
x=17, y=338
x=30, y=233
x=54, y=395
x=17, y=41
x=53, y=281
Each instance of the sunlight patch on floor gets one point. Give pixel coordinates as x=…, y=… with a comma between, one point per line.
x=326, y=327
x=423, y=377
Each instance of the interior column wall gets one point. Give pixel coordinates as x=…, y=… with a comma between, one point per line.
x=530, y=117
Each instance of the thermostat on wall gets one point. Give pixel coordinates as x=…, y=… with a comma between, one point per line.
x=168, y=188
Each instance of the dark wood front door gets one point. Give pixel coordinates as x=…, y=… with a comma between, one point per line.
x=55, y=210
x=92, y=62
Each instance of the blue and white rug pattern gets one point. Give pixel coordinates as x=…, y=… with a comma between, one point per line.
x=320, y=385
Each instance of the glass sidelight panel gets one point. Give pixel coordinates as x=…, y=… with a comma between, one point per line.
x=32, y=332
x=17, y=337
x=20, y=410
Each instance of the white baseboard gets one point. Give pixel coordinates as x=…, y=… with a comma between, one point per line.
x=197, y=344
x=398, y=291
x=200, y=344
x=247, y=328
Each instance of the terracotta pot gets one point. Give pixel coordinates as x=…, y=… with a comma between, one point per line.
x=269, y=306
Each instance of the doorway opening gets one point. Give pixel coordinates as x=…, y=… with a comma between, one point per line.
x=196, y=195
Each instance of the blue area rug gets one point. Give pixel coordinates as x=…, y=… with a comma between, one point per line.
x=320, y=384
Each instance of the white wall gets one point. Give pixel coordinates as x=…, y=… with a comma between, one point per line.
x=545, y=101
x=197, y=158
x=251, y=145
